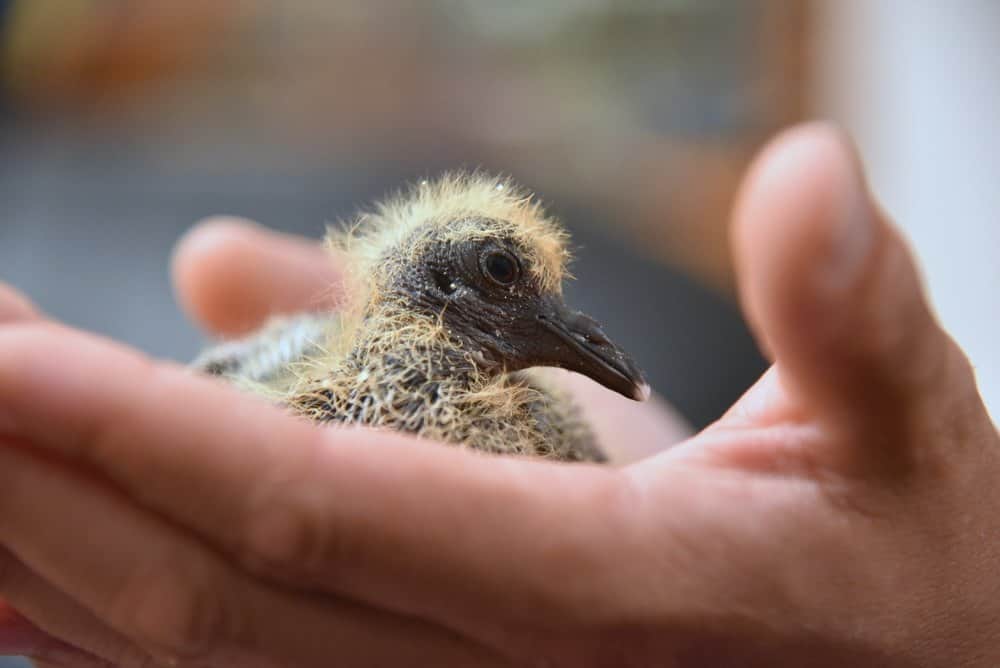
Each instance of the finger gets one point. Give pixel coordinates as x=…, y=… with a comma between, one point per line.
x=230, y=275
x=421, y=529
x=627, y=430
x=15, y=306
x=14, y=629
x=22, y=638
x=17, y=634
x=60, y=631
x=176, y=599
x=832, y=290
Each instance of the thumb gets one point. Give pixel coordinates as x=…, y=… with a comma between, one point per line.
x=832, y=290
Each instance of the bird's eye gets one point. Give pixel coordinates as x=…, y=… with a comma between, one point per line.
x=501, y=267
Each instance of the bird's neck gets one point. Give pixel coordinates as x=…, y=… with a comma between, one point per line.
x=411, y=350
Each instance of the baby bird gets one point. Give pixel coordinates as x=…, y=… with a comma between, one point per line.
x=454, y=293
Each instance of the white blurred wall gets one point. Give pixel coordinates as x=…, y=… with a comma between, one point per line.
x=918, y=83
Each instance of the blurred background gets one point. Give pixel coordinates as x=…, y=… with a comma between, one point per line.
x=125, y=122
x=122, y=123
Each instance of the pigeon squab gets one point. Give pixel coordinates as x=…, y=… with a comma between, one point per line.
x=453, y=297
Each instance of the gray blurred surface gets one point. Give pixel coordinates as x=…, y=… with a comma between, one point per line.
x=14, y=662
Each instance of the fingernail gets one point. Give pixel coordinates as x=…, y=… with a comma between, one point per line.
x=853, y=234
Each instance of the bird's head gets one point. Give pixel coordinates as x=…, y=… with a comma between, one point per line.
x=478, y=256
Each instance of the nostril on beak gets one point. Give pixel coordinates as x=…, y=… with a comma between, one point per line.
x=597, y=336
x=585, y=326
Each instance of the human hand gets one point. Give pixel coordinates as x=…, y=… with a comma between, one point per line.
x=231, y=275
x=844, y=512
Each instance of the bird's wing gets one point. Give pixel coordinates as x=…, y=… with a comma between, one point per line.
x=271, y=357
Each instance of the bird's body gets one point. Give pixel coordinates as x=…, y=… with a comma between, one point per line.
x=453, y=293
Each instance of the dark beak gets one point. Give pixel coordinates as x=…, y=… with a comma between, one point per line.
x=575, y=341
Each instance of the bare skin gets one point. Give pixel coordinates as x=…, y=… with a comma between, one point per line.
x=844, y=512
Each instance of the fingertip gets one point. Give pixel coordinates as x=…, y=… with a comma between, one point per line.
x=206, y=265
x=206, y=243
x=804, y=226
x=829, y=284
x=231, y=274
x=209, y=236
x=14, y=306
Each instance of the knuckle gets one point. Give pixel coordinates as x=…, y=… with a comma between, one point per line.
x=105, y=438
x=288, y=528
x=175, y=614
x=582, y=545
x=285, y=534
